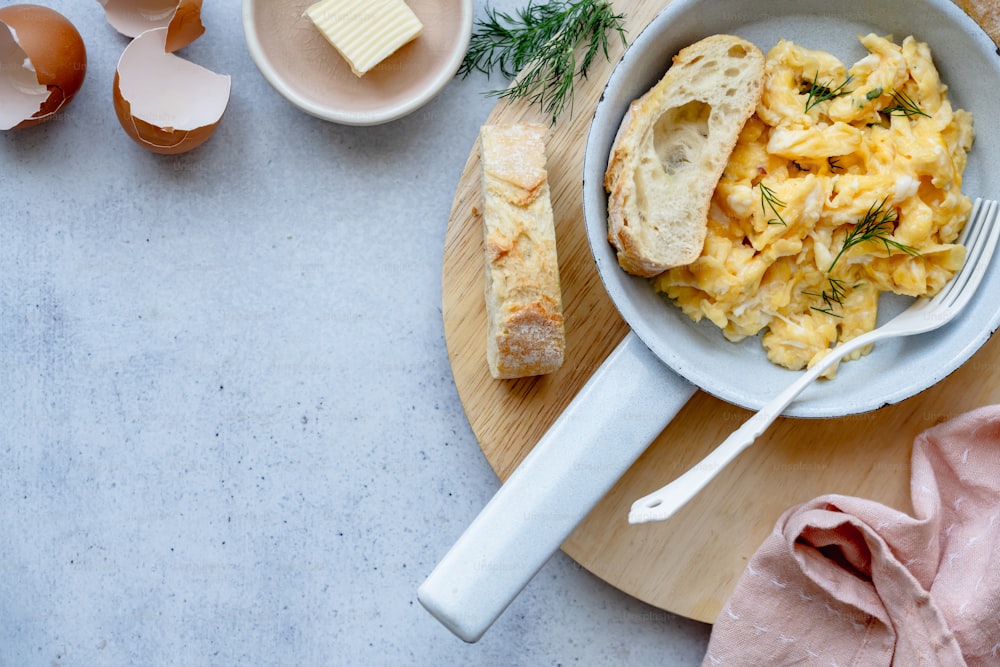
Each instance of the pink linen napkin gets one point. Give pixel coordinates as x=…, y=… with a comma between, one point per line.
x=845, y=581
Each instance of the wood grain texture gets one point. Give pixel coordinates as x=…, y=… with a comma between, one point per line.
x=687, y=565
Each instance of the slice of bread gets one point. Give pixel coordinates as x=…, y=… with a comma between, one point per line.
x=525, y=332
x=672, y=148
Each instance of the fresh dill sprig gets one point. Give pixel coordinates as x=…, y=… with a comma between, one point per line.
x=905, y=106
x=821, y=92
x=832, y=298
x=877, y=225
x=771, y=200
x=540, y=48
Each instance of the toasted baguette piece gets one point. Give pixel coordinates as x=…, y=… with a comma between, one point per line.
x=525, y=332
x=672, y=148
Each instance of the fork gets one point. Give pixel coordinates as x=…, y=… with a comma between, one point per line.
x=925, y=314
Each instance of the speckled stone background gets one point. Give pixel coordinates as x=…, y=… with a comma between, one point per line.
x=228, y=429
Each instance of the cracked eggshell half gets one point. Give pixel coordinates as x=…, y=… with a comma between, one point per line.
x=182, y=18
x=164, y=103
x=43, y=62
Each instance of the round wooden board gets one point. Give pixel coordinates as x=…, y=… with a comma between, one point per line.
x=687, y=565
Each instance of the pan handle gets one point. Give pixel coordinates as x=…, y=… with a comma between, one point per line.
x=616, y=415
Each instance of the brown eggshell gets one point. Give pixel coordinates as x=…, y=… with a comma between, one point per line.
x=182, y=18
x=21, y=96
x=56, y=53
x=166, y=104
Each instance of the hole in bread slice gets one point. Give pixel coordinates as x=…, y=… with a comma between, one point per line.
x=680, y=136
x=667, y=174
x=737, y=51
x=671, y=170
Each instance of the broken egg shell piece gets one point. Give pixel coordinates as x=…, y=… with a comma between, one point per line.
x=21, y=96
x=185, y=26
x=134, y=17
x=164, y=103
x=43, y=63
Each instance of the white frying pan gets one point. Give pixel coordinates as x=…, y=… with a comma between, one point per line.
x=666, y=357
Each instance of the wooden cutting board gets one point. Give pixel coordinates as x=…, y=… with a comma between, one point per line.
x=687, y=565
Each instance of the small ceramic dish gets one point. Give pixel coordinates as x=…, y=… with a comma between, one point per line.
x=303, y=67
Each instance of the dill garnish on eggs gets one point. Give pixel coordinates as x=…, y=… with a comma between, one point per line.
x=544, y=48
x=877, y=225
x=822, y=92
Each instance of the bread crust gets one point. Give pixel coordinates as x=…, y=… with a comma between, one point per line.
x=525, y=328
x=671, y=149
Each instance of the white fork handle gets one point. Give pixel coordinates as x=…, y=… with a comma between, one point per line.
x=613, y=419
x=664, y=503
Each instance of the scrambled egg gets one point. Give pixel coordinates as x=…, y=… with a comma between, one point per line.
x=845, y=183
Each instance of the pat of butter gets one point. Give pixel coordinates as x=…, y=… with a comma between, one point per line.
x=365, y=33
